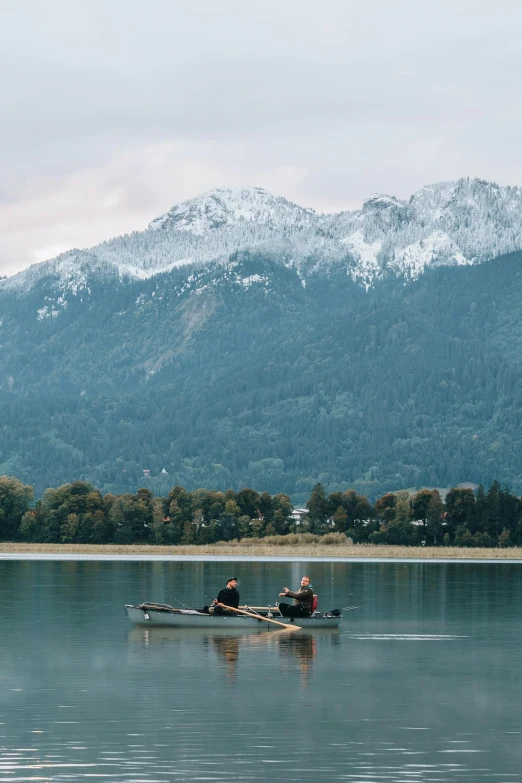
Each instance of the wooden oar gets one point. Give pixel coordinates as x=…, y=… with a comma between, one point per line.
x=260, y=617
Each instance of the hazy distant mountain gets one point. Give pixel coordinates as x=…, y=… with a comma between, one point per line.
x=453, y=223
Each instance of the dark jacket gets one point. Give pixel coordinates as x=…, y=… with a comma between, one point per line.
x=303, y=598
x=228, y=596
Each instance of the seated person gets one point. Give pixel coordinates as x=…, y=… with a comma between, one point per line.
x=228, y=596
x=303, y=600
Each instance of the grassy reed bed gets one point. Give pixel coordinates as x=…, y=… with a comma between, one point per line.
x=303, y=545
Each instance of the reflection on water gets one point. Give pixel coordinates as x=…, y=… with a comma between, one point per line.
x=420, y=684
x=291, y=648
x=227, y=649
x=304, y=649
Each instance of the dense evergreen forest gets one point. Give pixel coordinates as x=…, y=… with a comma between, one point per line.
x=240, y=375
x=79, y=513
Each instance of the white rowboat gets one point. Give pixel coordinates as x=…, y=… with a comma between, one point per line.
x=191, y=618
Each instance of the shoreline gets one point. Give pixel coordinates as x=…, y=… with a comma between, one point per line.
x=243, y=551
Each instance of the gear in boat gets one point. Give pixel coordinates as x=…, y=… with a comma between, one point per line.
x=224, y=611
x=249, y=618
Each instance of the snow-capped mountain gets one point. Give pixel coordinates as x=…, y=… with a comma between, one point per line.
x=230, y=207
x=449, y=223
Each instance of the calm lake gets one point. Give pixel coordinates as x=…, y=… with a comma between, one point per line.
x=421, y=683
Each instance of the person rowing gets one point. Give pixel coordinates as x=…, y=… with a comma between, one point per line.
x=303, y=600
x=229, y=596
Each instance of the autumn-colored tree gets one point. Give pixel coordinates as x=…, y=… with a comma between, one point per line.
x=339, y=519
x=385, y=507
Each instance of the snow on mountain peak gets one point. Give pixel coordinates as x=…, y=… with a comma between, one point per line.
x=224, y=207
x=380, y=201
x=366, y=253
x=437, y=249
x=462, y=222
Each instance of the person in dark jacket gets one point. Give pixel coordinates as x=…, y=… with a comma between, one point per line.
x=303, y=600
x=228, y=596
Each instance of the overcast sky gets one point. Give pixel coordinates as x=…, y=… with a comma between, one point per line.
x=114, y=111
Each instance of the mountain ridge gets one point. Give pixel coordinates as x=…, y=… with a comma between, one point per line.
x=448, y=223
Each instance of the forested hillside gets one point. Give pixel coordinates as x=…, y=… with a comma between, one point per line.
x=238, y=375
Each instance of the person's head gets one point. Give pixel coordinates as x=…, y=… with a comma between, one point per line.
x=232, y=582
x=305, y=581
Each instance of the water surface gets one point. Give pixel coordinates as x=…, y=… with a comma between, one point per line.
x=421, y=683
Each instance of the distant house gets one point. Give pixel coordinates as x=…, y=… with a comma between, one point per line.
x=146, y=471
x=297, y=515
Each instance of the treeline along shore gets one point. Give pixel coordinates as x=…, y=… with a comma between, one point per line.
x=77, y=513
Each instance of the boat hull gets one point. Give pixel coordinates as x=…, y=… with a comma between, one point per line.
x=193, y=619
